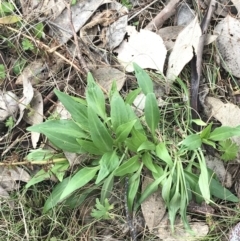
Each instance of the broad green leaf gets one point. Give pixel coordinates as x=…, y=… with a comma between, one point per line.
x=133, y=186
x=54, y=197
x=41, y=155
x=118, y=113
x=199, y=122
x=113, y=90
x=102, y=210
x=173, y=208
x=131, y=96
x=99, y=133
x=148, y=162
x=221, y=192
x=132, y=116
x=183, y=209
x=205, y=133
x=81, y=178
x=166, y=189
x=108, y=163
x=129, y=166
x=208, y=142
x=124, y=130
x=192, y=142
x=62, y=133
x=143, y=79
x=146, y=145
x=162, y=153
x=159, y=172
x=151, y=111
x=89, y=147
x=136, y=140
x=10, y=19
x=107, y=187
x=40, y=176
x=95, y=97
x=77, y=110
x=229, y=149
x=59, y=170
x=224, y=132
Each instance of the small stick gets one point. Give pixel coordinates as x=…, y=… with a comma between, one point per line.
x=165, y=14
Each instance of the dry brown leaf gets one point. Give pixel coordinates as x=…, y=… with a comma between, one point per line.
x=153, y=208
x=4, y=195
x=106, y=76
x=182, y=51
x=144, y=48
x=228, y=44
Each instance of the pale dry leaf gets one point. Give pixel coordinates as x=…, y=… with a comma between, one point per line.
x=8, y=105
x=35, y=115
x=81, y=12
x=228, y=44
x=36, y=72
x=4, y=195
x=234, y=233
x=217, y=166
x=52, y=8
x=200, y=230
x=153, y=208
x=106, y=76
x=28, y=93
x=184, y=14
x=144, y=48
x=182, y=51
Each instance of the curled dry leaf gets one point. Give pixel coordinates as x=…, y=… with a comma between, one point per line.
x=228, y=44
x=106, y=76
x=35, y=115
x=144, y=48
x=153, y=208
x=8, y=105
x=182, y=52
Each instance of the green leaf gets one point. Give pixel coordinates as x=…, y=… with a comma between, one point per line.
x=166, y=189
x=148, y=162
x=77, y=110
x=208, y=142
x=131, y=96
x=54, y=197
x=27, y=44
x=146, y=145
x=205, y=133
x=40, y=176
x=118, y=111
x=62, y=133
x=102, y=211
x=132, y=116
x=6, y=7
x=107, y=187
x=59, y=170
x=19, y=66
x=136, y=140
x=173, y=208
x=199, y=122
x=42, y=154
x=89, y=147
x=129, y=166
x=151, y=111
x=192, y=142
x=10, y=19
x=124, y=130
x=133, y=186
x=221, y=192
x=224, y=132
x=229, y=149
x=38, y=30
x=99, y=133
x=162, y=153
x=95, y=97
x=108, y=163
x=81, y=178
x=143, y=79
x=2, y=71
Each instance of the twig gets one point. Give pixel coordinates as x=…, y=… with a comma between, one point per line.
x=79, y=55
x=128, y=216
x=165, y=14
x=196, y=63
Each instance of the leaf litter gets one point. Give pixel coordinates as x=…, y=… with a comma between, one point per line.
x=146, y=48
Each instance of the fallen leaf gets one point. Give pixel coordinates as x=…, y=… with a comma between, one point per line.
x=234, y=233
x=153, y=208
x=10, y=19
x=144, y=48
x=184, y=14
x=228, y=44
x=182, y=51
